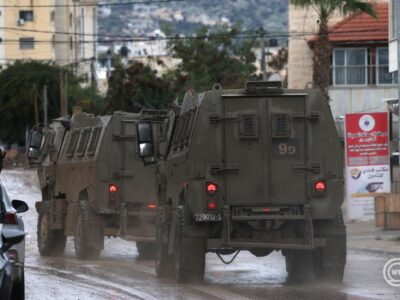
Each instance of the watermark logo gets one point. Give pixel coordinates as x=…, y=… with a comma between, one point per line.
x=391, y=272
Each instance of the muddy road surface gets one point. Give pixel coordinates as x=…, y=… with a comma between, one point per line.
x=120, y=274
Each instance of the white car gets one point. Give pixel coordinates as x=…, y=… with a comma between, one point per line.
x=10, y=219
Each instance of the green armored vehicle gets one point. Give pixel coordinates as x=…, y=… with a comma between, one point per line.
x=93, y=183
x=257, y=169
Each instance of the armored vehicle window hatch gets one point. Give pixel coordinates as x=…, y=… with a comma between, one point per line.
x=93, y=141
x=248, y=126
x=71, y=142
x=280, y=126
x=84, y=137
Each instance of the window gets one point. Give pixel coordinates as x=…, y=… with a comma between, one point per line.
x=349, y=66
x=26, y=43
x=26, y=15
x=382, y=68
x=71, y=142
x=93, y=141
x=83, y=141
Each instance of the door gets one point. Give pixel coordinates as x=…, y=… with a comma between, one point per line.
x=264, y=150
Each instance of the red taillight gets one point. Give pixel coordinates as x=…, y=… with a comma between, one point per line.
x=212, y=205
x=211, y=188
x=151, y=206
x=320, y=186
x=112, y=188
x=113, y=195
x=10, y=218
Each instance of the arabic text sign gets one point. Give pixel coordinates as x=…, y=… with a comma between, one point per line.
x=367, y=162
x=367, y=139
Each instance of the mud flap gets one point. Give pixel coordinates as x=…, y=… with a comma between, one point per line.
x=334, y=254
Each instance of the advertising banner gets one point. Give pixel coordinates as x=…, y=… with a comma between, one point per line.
x=367, y=162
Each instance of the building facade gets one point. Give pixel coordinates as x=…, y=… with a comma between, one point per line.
x=61, y=31
x=360, y=78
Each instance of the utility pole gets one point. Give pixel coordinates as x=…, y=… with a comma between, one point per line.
x=35, y=104
x=263, y=67
x=45, y=105
x=62, y=106
x=66, y=93
x=93, y=80
x=397, y=6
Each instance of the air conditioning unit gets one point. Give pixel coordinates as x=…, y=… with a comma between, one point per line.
x=20, y=22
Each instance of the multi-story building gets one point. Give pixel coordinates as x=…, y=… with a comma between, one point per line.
x=63, y=31
x=360, y=78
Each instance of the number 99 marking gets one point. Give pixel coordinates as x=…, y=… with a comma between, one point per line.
x=285, y=149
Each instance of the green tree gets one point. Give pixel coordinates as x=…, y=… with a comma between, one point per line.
x=21, y=88
x=322, y=47
x=211, y=57
x=137, y=86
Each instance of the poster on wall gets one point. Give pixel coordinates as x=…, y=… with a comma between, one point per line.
x=367, y=162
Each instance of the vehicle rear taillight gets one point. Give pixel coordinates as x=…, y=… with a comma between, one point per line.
x=212, y=205
x=10, y=218
x=12, y=255
x=211, y=188
x=112, y=188
x=320, y=187
x=211, y=192
x=113, y=195
x=151, y=205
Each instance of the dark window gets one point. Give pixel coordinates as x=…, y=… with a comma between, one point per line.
x=280, y=126
x=73, y=139
x=382, y=67
x=26, y=15
x=83, y=142
x=248, y=127
x=26, y=43
x=349, y=66
x=93, y=141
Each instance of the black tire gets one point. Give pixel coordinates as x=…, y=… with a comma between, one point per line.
x=299, y=266
x=83, y=250
x=189, y=252
x=18, y=290
x=330, y=261
x=50, y=242
x=146, y=250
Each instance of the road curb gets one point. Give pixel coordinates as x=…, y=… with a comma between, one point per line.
x=375, y=251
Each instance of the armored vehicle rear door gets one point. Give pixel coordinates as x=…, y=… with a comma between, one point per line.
x=265, y=152
x=139, y=186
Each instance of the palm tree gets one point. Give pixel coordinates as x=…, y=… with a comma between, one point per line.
x=322, y=47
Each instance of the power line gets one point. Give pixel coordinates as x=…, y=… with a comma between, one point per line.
x=92, y=4
x=147, y=38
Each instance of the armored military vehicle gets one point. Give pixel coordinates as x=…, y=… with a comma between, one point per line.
x=93, y=183
x=257, y=169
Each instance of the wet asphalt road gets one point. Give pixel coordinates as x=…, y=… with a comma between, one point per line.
x=119, y=274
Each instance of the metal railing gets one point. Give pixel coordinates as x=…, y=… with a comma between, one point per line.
x=362, y=75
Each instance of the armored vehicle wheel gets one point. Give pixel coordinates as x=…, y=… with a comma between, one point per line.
x=50, y=242
x=83, y=250
x=299, y=265
x=330, y=261
x=146, y=250
x=189, y=252
x=164, y=261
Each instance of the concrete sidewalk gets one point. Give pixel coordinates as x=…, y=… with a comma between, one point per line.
x=365, y=236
